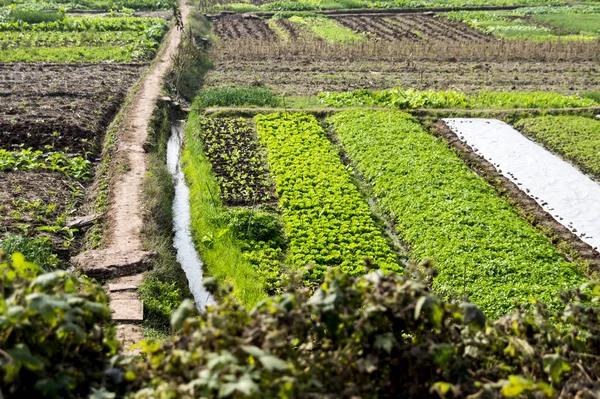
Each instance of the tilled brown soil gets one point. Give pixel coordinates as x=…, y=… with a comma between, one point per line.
x=418, y=27
x=304, y=76
x=235, y=27
x=67, y=107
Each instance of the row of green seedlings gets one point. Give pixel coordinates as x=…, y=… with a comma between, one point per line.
x=411, y=99
x=310, y=5
x=123, y=39
x=321, y=219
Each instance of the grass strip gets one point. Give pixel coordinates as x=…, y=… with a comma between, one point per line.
x=327, y=221
x=575, y=138
x=447, y=213
x=237, y=97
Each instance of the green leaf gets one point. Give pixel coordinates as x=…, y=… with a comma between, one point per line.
x=273, y=363
x=555, y=366
x=185, y=310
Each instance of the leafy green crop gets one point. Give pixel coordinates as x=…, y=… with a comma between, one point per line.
x=410, y=99
x=576, y=138
x=77, y=168
x=447, y=213
x=121, y=39
x=327, y=221
x=155, y=25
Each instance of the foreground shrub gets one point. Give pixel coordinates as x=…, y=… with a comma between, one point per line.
x=55, y=332
x=372, y=336
x=375, y=336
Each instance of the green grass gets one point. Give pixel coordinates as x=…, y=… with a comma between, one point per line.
x=574, y=23
x=511, y=25
x=237, y=97
x=328, y=223
x=575, y=138
x=217, y=245
x=447, y=213
x=328, y=29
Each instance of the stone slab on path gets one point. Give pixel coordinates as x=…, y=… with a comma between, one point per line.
x=126, y=306
x=130, y=334
x=108, y=263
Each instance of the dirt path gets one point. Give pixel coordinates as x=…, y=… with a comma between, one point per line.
x=122, y=261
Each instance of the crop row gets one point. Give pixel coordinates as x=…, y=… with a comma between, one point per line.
x=233, y=151
x=307, y=5
x=51, y=39
x=410, y=99
x=28, y=160
x=575, y=138
x=445, y=212
x=154, y=26
x=328, y=223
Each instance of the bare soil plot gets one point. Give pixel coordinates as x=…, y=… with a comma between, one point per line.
x=64, y=106
x=309, y=76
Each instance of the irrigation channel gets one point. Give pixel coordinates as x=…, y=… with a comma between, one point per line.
x=571, y=197
x=182, y=241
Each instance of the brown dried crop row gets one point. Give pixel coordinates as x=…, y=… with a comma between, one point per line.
x=357, y=24
x=378, y=27
x=236, y=27
x=492, y=51
x=404, y=32
x=453, y=27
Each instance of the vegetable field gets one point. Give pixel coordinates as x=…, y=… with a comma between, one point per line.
x=375, y=182
x=362, y=198
x=63, y=80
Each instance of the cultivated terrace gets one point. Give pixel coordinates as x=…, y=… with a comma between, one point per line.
x=300, y=199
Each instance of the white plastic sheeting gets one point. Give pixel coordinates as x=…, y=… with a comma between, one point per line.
x=571, y=197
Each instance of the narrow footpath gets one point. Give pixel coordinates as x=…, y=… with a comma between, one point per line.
x=123, y=261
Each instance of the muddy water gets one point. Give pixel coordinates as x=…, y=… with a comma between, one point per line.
x=182, y=241
x=571, y=197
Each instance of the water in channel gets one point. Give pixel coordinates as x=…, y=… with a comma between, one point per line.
x=186, y=253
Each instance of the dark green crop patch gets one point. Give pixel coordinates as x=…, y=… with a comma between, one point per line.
x=447, y=213
x=231, y=147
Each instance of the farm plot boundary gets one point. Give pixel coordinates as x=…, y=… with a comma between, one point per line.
x=567, y=242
